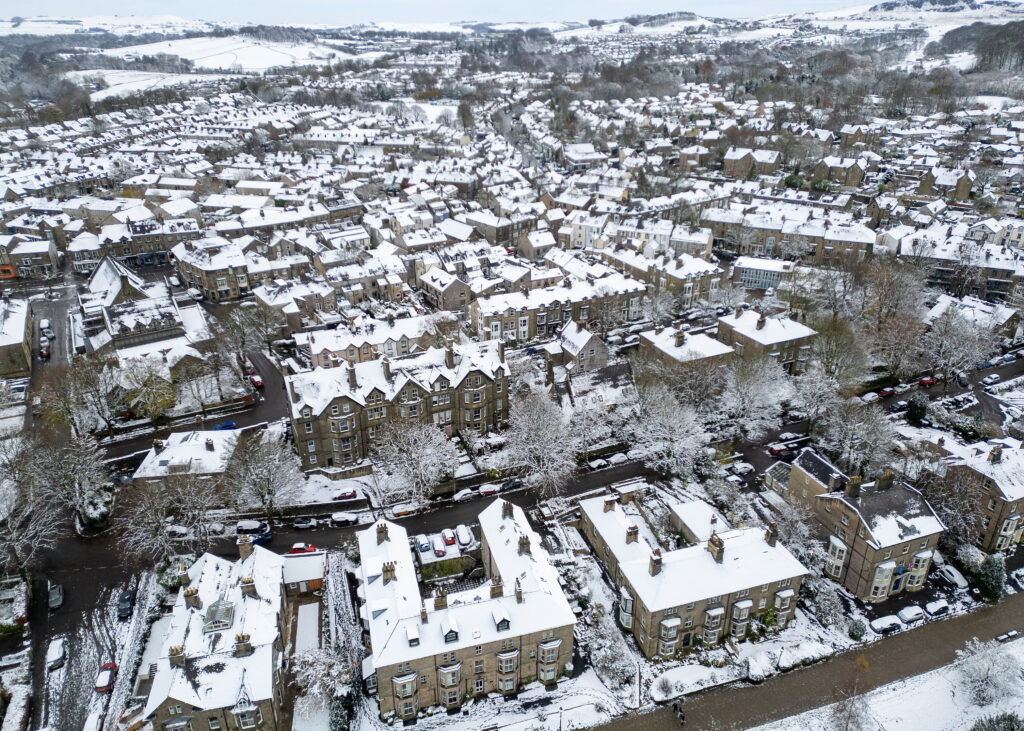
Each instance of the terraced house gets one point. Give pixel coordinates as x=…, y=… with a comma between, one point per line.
x=672, y=600
x=514, y=628
x=336, y=412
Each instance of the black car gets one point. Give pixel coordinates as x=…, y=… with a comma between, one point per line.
x=126, y=603
x=511, y=484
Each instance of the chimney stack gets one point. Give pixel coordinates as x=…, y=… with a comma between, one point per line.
x=506, y=509
x=449, y=354
x=244, y=544
x=243, y=645
x=680, y=337
x=352, y=383
x=209, y=444
x=833, y=480
x=716, y=546
x=761, y=321
x=771, y=535
x=183, y=577
x=632, y=534
x=519, y=592
x=192, y=599
x=176, y=656
x=609, y=504
x=441, y=600
x=388, y=571
x=853, y=487
x=884, y=481
x=996, y=455
x=158, y=445
x=382, y=532
x=524, y=545
x=386, y=365
x=248, y=586
x=655, y=567
x=501, y=350
x=496, y=587
x=423, y=613
x=739, y=311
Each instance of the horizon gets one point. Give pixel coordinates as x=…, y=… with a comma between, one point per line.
x=319, y=13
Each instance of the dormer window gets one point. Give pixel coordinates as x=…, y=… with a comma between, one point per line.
x=451, y=636
x=307, y=412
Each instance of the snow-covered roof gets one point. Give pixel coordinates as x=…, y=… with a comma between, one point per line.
x=191, y=452
x=687, y=347
x=775, y=329
x=700, y=518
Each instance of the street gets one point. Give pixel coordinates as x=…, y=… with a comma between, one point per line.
x=902, y=655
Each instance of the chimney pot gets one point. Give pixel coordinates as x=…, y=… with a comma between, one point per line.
x=519, y=592
x=192, y=598
x=244, y=544
x=209, y=444
x=853, y=487
x=423, y=613
x=524, y=545
x=243, y=645
x=655, y=566
x=496, y=587
x=382, y=532
x=506, y=509
x=771, y=535
x=441, y=600
x=176, y=655
x=716, y=546
x=609, y=504
x=761, y=321
x=632, y=534
x=388, y=571
x=680, y=337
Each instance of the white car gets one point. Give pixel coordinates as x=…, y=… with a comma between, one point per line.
x=618, y=458
x=741, y=468
x=787, y=436
x=464, y=535
x=462, y=495
x=597, y=464
x=952, y=577
x=870, y=397
x=937, y=608
x=911, y=615
x=55, y=654
x=173, y=279
x=991, y=379
x=886, y=625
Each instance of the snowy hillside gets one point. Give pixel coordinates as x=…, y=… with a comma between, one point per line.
x=235, y=53
x=116, y=24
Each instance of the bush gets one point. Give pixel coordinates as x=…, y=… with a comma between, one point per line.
x=969, y=559
x=857, y=629
x=991, y=577
x=1000, y=722
x=917, y=407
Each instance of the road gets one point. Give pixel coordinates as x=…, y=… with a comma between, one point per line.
x=900, y=656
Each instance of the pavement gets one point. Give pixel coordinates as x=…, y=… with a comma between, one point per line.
x=899, y=656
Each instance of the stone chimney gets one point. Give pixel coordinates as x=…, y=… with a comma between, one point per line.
x=761, y=320
x=496, y=587
x=771, y=534
x=158, y=445
x=248, y=586
x=680, y=337
x=192, y=599
x=441, y=600
x=423, y=613
x=387, y=571
x=176, y=656
x=833, y=480
x=996, y=455
x=501, y=350
x=519, y=592
x=382, y=532
x=739, y=311
x=352, y=382
x=524, y=545
x=884, y=481
x=449, y=354
x=632, y=534
x=506, y=509
x=941, y=441
x=609, y=504
x=244, y=544
x=183, y=575
x=243, y=645
x=716, y=547
x=655, y=567
x=386, y=365
x=853, y=487
x=209, y=444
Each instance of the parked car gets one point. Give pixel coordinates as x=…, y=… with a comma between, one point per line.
x=94, y=722
x=961, y=378
x=48, y=333
x=937, y=608
x=870, y=397
x=54, y=596
x=55, y=654
x=464, y=494
x=422, y=543
x=887, y=392
x=347, y=495
x=952, y=577
x=513, y=483
x=259, y=530
x=249, y=368
x=777, y=449
x=464, y=535
x=617, y=458
x=438, y=545
x=598, y=464
x=256, y=380
x=126, y=603
x=44, y=342
x=899, y=406
x=195, y=294
x=741, y=468
x=927, y=381
x=304, y=523
x=105, y=677
x=448, y=536
x=338, y=519
x=991, y=379
x=224, y=426
x=902, y=387
x=44, y=324
x=770, y=292
x=302, y=548
x=886, y=625
x=44, y=354
x=911, y=614
x=736, y=480
x=173, y=279
x=1007, y=636
x=787, y=435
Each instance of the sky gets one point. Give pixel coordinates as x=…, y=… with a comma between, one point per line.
x=346, y=12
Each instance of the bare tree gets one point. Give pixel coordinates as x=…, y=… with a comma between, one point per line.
x=954, y=495
x=94, y=378
x=953, y=343
x=197, y=381
x=263, y=470
x=659, y=306
x=142, y=522
x=30, y=522
x=265, y=323
x=540, y=443
x=815, y=394
x=856, y=435
x=755, y=388
x=150, y=389
x=75, y=475
x=409, y=459
x=322, y=674
x=837, y=351
x=667, y=433
x=895, y=343
x=987, y=672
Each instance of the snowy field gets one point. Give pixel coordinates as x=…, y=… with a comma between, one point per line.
x=123, y=83
x=236, y=53
x=119, y=24
x=926, y=702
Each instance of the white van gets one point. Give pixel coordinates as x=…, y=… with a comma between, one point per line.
x=195, y=294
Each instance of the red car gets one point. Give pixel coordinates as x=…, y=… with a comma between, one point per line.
x=347, y=495
x=44, y=353
x=302, y=548
x=887, y=392
x=928, y=381
x=256, y=380
x=448, y=536
x=105, y=677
